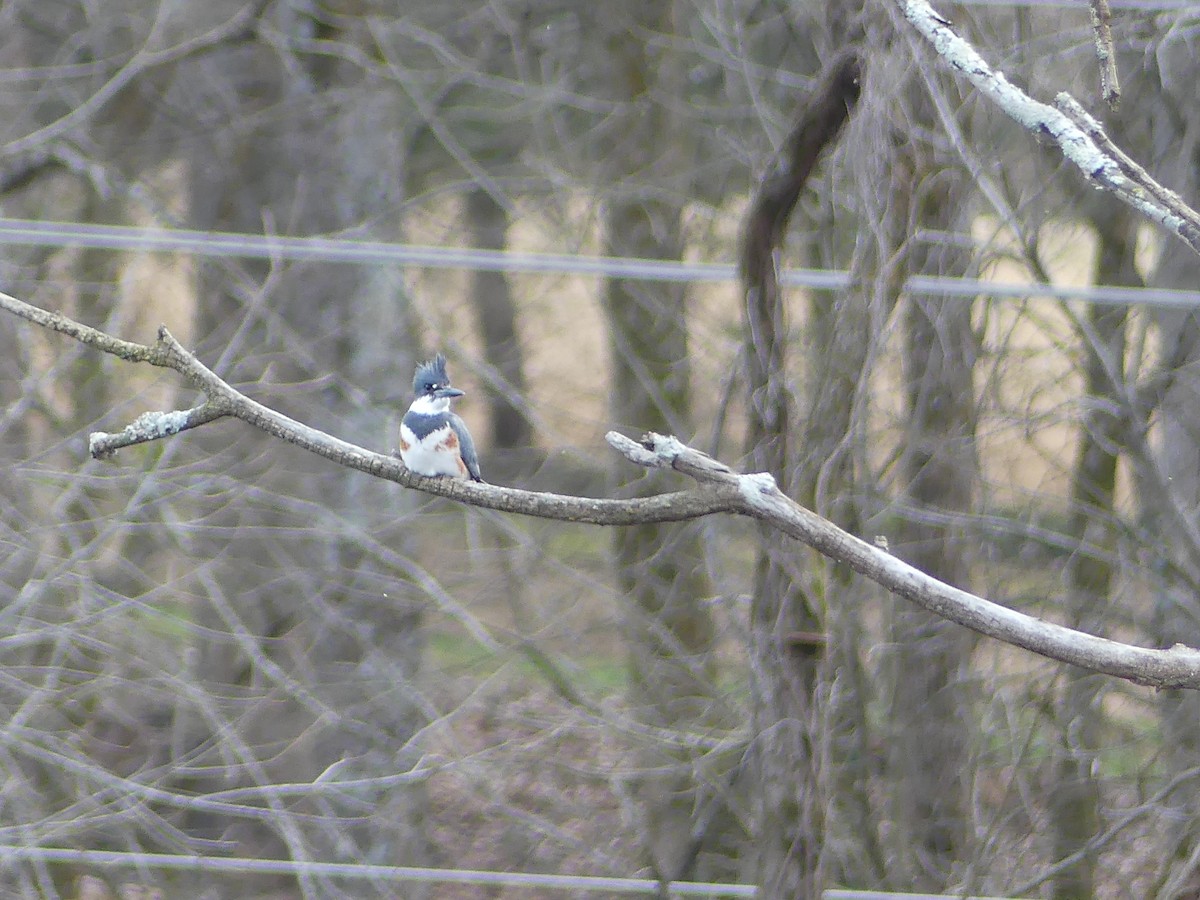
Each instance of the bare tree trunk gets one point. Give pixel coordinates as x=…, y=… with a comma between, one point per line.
x=787, y=637
x=1091, y=572
x=323, y=663
x=1170, y=106
x=928, y=752
x=660, y=567
x=1176, y=610
x=496, y=313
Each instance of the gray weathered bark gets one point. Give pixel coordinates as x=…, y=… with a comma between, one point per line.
x=929, y=710
x=496, y=312
x=1091, y=572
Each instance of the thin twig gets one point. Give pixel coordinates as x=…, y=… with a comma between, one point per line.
x=1110, y=85
x=238, y=27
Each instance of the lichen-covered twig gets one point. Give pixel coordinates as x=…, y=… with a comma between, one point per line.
x=1077, y=143
x=152, y=426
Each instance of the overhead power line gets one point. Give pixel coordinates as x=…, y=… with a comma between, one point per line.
x=364, y=872
x=10, y=853
x=344, y=250
x=1144, y=5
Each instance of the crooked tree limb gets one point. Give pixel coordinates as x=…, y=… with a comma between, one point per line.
x=1178, y=667
x=813, y=132
x=719, y=490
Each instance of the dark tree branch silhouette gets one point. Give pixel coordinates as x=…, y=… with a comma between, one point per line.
x=787, y=623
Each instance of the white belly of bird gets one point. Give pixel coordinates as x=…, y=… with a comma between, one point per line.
x=423, y=459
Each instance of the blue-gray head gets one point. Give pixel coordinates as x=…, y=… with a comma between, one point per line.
x=432, y=381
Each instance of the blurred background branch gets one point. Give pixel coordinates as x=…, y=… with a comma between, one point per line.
x=990, y=368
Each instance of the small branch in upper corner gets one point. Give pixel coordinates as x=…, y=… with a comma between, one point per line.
x=1066, y=124
x=152, y=426
x=106, y=343
x=1110, y=85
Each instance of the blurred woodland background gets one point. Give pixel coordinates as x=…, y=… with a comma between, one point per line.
x=220, y=645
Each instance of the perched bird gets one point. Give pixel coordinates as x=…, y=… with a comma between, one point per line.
x=433, y=440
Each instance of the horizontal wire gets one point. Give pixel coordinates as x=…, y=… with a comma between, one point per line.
x=365, y=872
x=1145, y=5
x=10, y=853
x=340, y=250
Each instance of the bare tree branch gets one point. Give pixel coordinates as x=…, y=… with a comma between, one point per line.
x=151, y=426
x=1071, y=108
x=1176, y=667
x=240, y=26
x=720, y=490
x=1078, y=143
x=1110, y=85
x=224, y=400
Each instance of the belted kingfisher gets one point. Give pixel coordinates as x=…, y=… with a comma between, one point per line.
x=433, y=440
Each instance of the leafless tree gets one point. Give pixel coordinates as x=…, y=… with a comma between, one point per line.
x=225, y=645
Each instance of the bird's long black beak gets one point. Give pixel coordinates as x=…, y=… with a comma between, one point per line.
x=449, y=392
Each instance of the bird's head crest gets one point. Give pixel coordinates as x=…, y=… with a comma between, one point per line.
x=431, y=375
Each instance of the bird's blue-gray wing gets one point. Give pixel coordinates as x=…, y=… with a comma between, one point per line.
x=466, y=446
